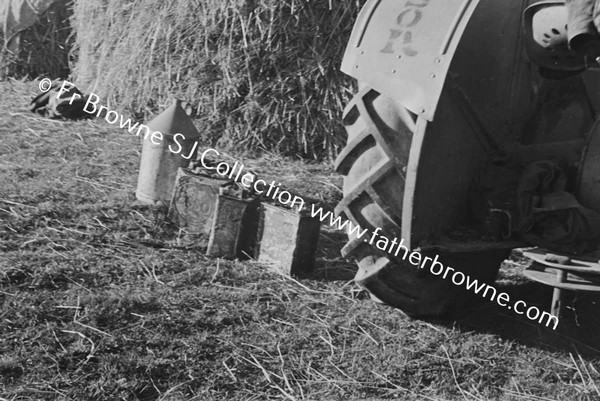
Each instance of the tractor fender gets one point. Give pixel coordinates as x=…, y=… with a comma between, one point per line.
x=403, y=48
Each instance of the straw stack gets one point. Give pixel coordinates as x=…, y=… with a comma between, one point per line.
x=261, y=74
x=45, y=47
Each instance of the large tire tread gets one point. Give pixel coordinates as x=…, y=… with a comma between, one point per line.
x=374, y=163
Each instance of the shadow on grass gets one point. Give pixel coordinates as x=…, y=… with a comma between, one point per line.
x=577, y=330
x=329, y=264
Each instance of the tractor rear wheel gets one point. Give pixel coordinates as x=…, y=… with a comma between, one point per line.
x=374, y=163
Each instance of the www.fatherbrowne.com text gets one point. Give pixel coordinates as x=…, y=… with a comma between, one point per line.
x=393, y=247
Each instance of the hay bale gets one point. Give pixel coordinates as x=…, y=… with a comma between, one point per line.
x=44, y=47
x=262, y=74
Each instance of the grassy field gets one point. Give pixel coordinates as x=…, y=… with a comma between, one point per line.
x=99, y=302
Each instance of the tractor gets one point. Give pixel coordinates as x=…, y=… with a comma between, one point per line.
x=446, y=89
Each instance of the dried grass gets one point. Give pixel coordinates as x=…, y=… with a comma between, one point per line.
x=96, y=304
x=262, y=74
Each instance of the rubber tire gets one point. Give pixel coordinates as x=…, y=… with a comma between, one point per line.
x=374, y=164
